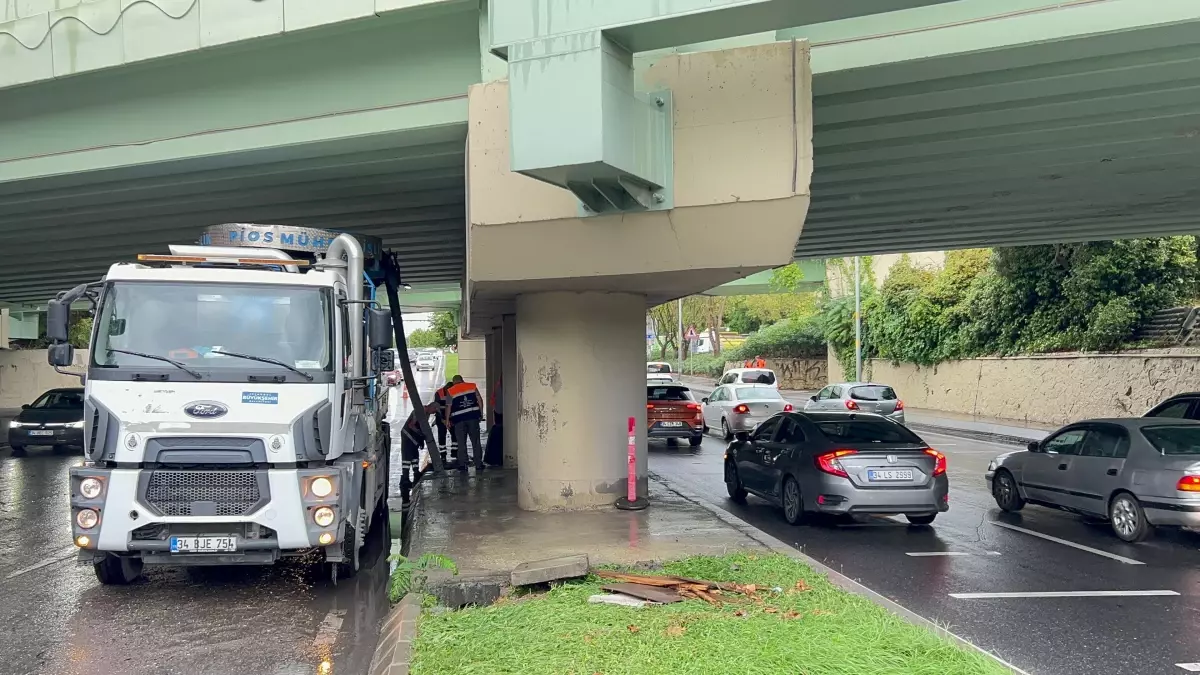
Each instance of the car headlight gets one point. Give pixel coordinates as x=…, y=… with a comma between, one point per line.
x=321, y=486
x=75, y=425
x=13, y=424
x=87, y=518
x=992, y=465
x=323, y=516
x=91, y=487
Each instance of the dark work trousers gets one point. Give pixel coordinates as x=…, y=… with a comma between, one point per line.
x=463, y=431
x=441, y=434
x=410, y=456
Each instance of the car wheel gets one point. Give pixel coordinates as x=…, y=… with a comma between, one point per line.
x=695, y=440
x=733, y=483
x=18, y=451
x=924, y=519
x=671, y=441
x=1004, y=490
x=793, y=502
x=118, y=571
x=726, y=432
x=59, y=449
x=1128, y=519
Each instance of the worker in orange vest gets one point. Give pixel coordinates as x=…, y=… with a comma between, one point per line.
x=759, y=362
x=463, y=415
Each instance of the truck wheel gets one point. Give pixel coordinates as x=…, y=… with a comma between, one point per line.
x=352, y=548
x=117, y=570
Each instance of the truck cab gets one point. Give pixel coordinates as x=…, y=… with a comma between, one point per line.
x=233, y=408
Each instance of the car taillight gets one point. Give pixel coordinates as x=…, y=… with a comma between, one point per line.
x=899, y=404
x=851, y=405
x=787, y=407
x=741, y=409
x=693, y=406
x=1188, y=484
x=649, y=406
x=939, y=464
x=829, y=462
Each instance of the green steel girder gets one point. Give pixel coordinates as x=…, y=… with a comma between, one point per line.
x=576, y=120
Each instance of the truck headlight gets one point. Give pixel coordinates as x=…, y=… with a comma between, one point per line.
x=87, y=518
x=75, y=425
x=91, y=487
x=321, y=486
x=323, y=516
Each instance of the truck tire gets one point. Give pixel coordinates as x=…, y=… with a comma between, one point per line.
x=352, y=547
x=117, y=570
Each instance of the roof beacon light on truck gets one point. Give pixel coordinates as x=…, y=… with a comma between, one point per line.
x=221, y=260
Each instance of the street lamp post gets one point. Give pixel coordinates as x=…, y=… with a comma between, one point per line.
x=857, y=320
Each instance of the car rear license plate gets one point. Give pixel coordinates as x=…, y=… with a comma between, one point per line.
x=890, y=474
x=670, y=424
x=203, y=544
x=41, y=432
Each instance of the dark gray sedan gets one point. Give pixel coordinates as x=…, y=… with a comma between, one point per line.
x=838, y=463
x=1137, y=473
x=55, y=418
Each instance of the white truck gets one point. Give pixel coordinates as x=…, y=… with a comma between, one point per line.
x=233, y=407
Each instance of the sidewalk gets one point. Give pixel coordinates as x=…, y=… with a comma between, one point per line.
x=999, y=430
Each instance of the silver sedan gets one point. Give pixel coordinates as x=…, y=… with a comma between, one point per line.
x=1137, y=473
x=741, y=407
x=868, y=397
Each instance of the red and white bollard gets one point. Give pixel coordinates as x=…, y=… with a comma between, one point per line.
x=630, y=501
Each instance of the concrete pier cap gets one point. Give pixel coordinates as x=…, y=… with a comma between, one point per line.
x=571, y=289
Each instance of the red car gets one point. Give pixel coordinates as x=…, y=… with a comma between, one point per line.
x=673, y=413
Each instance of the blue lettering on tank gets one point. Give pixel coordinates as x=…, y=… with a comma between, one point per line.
x=253, y=236
x=287, y=238
x=268, y=237
x=302, y=239
x=233, y=236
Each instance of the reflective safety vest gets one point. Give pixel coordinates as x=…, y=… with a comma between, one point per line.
x=760, y=364
x=466, y=405
x=412, y=431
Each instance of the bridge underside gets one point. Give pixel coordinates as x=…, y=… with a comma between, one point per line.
x=1094, y=137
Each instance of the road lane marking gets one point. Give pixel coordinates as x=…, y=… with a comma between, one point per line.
x=1190, y=667
x=1081, y=547
x=67, y=554
x=1060, y=594
x=931, y=554
x=328, y=630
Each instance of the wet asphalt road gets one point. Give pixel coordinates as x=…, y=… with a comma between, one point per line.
x=283, y=620
x=1047, y=636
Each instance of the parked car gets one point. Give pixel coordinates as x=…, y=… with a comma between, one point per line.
x=838, y=463
x=741, y=407
x=673, y=413
x=749, y=376
x=858, y=397
x=55, y=419
x=412, y=356
x=1138, y=473
x=659, y=372
x=1180, y=406
x=426, y=362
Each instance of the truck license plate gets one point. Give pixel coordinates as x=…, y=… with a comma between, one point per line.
x=890, y=474
x=41, y=432
x=203, y=544
x=670, y=424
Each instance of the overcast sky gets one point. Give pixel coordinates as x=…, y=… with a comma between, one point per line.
x=415, y=321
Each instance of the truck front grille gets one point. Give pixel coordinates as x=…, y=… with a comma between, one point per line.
x=203, y=493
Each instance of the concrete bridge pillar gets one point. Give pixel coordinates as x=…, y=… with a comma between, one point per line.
x=581, y=373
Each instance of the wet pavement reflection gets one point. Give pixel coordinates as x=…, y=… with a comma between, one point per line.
x=289, y=619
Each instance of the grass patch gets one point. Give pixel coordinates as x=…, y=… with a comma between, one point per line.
x=819, y=631
x=451, y=365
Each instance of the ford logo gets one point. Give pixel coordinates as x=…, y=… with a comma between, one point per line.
x=204, y=409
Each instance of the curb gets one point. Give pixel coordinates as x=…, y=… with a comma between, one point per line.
x=1004, y=439
x=394, y=653
x=836, y=578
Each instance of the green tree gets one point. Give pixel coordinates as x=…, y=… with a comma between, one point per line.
x=445, y=324
x=426, y=337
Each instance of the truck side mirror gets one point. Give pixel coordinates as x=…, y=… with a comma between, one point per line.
x=60, y=354
x=58, y=319
x=383, y=360
x=379, y=328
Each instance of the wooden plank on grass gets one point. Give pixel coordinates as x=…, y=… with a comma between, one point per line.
x=650, y=593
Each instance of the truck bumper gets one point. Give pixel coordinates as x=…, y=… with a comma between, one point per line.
x=277, y=518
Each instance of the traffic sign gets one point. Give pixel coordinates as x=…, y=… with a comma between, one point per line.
x=691, y=334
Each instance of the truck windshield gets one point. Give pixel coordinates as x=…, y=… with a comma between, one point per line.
x=192, y=323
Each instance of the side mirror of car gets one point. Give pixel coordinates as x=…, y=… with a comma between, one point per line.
x=24, y=406
x=704, y=400
x=742, y=436
x=1034, y=446
x=813, y=397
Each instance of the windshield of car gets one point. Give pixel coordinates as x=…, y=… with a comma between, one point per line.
x=758, y=377
x=873, y=392
x=1174, y=440
x=669, y=394
x=59, y=399
x=193, y=323
x=655, y=368
x=861, y=430
x=757, y=393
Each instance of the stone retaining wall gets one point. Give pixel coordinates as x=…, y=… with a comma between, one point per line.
x=25, y=374
x=803, y=374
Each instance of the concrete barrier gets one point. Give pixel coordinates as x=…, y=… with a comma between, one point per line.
x=25, y=374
